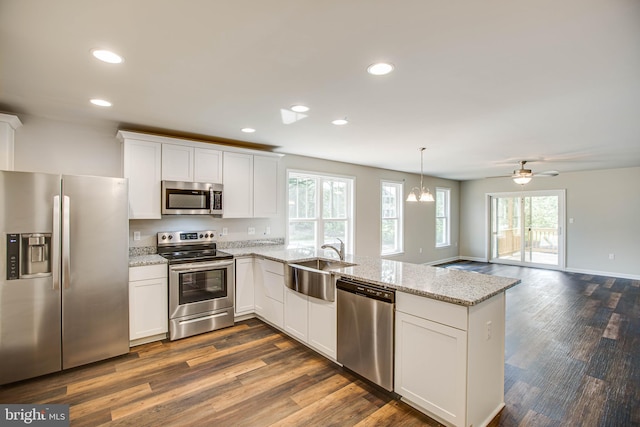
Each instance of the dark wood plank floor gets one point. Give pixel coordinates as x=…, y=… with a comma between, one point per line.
x=572, y=354
x=572, y=359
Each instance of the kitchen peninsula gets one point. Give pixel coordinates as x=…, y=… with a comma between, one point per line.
x=449, y=328
x=449, y=325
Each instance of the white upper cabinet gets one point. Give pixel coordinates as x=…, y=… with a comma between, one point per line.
x=265, y=186
x=238, y=185
x=207, y=165
x=177, y=163
x=8, y=124
x=250, y=186
x=191, y=164
x=142, y=167
x=250, y=180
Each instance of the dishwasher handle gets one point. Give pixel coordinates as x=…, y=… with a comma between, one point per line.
x=366, y=290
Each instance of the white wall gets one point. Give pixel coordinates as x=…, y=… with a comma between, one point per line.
x=51, y=146
x=604, y=204
x=46, y=145
x=419, y=226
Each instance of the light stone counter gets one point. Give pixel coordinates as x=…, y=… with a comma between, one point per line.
x=444, y=284
x=148, y=259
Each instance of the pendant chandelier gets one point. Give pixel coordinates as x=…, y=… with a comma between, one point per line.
x=420, y=194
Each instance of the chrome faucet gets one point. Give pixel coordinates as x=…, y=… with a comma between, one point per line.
x=340, y=251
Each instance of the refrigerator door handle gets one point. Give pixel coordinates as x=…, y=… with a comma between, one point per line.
x=66, y=256
x=55, y=249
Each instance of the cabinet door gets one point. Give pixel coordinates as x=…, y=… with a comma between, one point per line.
x=431, y=367
x=207, y=165
x=244, y=294
x=265, y=186
x=296, y=314
x=323, y=334
x=142, y=166
x=238, y=185
x=177, y=163
x=148, y=308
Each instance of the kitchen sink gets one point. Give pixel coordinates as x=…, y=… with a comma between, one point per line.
x=322, y=264
x=314, y=278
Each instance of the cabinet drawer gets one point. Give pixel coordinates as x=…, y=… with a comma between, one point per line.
x=274, y=286
x=437, y=311
x=147, y=272
x=272, y=266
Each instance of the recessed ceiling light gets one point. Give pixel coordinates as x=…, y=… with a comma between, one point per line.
x=100, y=102
x=107, y=56
x=380, y=68
x=248, y=130
x=340, y=122
x=299, y=108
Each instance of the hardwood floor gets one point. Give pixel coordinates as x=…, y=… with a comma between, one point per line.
x=572, y=355
x=246, y=375
x=572, y=359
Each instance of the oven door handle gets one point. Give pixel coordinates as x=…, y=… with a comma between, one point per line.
x=201, y=266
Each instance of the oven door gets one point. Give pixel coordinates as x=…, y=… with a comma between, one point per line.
x=200, y=287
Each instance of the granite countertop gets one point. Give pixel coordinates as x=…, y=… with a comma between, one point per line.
x=146, y=259
x=444, y=284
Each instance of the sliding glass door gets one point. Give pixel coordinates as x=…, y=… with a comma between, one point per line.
x=526, y=228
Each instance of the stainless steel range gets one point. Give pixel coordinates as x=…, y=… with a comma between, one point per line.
x=200, y=283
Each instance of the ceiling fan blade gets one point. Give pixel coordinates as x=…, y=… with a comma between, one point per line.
x=547, y=173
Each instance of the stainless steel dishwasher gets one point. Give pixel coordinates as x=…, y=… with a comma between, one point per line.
x=365, y=330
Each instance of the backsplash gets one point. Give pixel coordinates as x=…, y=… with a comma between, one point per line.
x=150, y=250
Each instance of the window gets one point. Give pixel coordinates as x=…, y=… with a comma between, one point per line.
x=320, y=210
x=443, y=220
x=391, y=218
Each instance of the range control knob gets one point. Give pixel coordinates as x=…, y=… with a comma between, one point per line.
x=170, y=236
x=164, y=237
x=201, y=236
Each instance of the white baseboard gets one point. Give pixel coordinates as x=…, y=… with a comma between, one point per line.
x=603, y=273
x=442, y=261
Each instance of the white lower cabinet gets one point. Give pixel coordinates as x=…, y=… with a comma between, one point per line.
x=312, y=321
x=450, y=358
x=296, y=314
x=323, y=332
x=269, y=291
x=244, y=292
x=148, y=305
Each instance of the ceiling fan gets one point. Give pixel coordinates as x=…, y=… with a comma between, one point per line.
x=523, y=176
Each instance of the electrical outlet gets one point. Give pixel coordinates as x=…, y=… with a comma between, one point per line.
x=136, y=235
x=612, y=256
x=251, y=230
x=489, y=331
x=225, y=231
x=267, y=230
x=420, y=250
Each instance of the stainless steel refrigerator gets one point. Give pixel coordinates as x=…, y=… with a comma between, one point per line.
x=63, y=272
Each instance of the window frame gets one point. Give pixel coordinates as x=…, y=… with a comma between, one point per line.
x=318, y=220
x=399, y=217
x=446, y=218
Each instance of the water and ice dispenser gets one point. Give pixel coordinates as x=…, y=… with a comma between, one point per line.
x=28, y=255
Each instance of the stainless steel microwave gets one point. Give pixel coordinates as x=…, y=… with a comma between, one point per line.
x=191, y=198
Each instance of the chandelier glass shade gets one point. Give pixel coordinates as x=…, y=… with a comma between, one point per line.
x=420, y=194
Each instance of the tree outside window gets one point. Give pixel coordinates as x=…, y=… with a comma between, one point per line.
x=320, y=210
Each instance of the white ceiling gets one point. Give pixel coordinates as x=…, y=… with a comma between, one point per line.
x=481, y=84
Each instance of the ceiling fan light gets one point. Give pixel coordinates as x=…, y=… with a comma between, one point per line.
x=522, y=179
